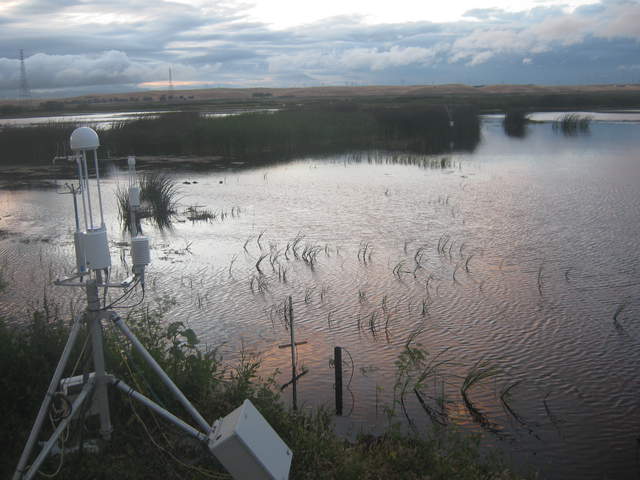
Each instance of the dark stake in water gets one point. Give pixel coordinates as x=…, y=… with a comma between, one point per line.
x=495, y=290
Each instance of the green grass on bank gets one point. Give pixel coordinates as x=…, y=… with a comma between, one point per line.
x=256, y=138
x=143, y=446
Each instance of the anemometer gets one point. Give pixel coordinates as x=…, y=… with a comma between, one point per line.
x=243, y=441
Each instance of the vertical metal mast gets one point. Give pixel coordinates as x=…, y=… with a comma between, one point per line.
x=25, y=93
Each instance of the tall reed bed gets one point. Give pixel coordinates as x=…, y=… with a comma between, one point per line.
x=259, y=136
x=287, y=133
x=37, y=144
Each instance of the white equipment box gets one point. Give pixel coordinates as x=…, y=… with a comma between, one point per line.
x=248, y=447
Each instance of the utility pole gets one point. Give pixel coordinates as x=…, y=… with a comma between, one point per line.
x=25, y=93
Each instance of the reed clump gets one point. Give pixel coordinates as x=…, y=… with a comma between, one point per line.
x=515, y=123
x=158, y=199
x=195, y=213
x=571, y=124
x=480, y=372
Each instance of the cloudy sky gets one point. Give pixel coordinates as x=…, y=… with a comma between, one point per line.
x=97, y=46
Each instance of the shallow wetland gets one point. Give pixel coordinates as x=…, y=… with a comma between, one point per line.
x=516, y=266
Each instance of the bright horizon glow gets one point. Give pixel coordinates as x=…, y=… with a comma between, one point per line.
x=280, y=14
x=8, y=4
x=176, y=83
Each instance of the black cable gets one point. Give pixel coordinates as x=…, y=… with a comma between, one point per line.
x=121, y=297
x=107, y=275
x=134, y=305
x=60, y=413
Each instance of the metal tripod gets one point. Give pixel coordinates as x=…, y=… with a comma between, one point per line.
x=95, y=387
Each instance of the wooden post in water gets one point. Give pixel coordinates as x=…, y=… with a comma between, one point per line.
x=293, y=356
x=337, y=364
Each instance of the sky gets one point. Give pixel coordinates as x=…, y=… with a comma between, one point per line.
x=76, y=47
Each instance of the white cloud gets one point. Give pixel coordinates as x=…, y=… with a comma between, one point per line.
x=618, y=20
x=566, y=30
x=111, y=67
x=128, y=43
x=375, y=59
x=623, y=20
x=481, y=45
x=481, y=57
x=372, y=59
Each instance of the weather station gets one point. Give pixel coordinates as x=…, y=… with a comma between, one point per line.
x=243, y=441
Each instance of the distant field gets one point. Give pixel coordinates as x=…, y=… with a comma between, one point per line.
x=377, y=90
x=486, y=97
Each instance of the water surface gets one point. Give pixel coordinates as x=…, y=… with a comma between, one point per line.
x=541, y=249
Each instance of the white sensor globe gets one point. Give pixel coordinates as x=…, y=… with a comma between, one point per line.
x=84, y=138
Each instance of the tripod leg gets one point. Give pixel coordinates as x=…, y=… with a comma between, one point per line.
x=161, y=373
x=100, y=395
x=35, y=466
x=44, y=407
x=160, y=411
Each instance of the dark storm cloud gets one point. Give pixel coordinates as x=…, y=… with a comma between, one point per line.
x=80, y=44
x=90, y=27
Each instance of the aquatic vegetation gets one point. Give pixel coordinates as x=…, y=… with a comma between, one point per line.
x=233, y=260
x=260, y=259
x=480, y=372
x=310, y=254
x=618, y=311
x=505, y=400
x=293, y=246
x=515, y=123
x=571, y=124
x=414, y=368
x=466, y=263
x=364, y=252
x=398, y=270
x=258, y=137
x=424, y=307
x=196, y=213
x=442, y=243
x=259, y=238
x=540, y=280
x=555, y=421
x=453, y=274
x=36, y=145
x=259, y=283
x=308, y=293
x=158, y=198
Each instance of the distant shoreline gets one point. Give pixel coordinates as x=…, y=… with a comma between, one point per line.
x=486, y=97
